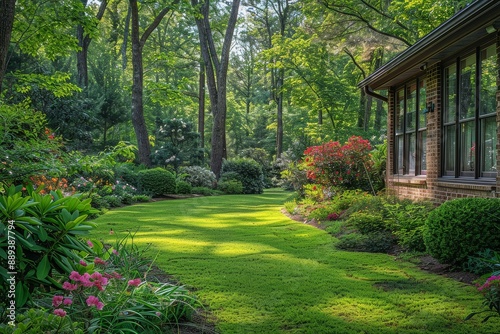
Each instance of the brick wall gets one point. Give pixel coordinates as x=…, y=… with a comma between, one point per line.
x=430, y=186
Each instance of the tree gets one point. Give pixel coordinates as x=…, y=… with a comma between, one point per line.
x=216, y=74
x=138, y=42
x=84, y=40
x=7, y=14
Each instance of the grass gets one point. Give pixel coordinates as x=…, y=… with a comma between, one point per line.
x=259, y=272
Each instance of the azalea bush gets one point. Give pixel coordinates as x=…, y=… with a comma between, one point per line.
x=345, y=166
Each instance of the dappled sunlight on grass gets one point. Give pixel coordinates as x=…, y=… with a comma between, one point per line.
x=260, y=272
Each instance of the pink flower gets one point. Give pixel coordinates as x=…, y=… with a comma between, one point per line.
x=94, y=301
x=85, y=280
x=90, y=243
x=60, y=312
x=115, y=252
x=57, y=300
x=75, y=276
x=98, y=280
x=83, y=263
x=134, y=282
x=69, y=287
x=99, y=261
x=67, y=301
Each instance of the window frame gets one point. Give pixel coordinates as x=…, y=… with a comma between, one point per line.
x=459, y=123
x=417, y=131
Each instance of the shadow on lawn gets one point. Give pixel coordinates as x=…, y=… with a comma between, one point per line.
x=281, y=276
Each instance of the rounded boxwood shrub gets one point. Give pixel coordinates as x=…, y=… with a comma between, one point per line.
x=230, y=187
x=183, y=187
x=156, y=181
x=247, y=171
x=461, y=228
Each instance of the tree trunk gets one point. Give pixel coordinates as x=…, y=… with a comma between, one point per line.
x=7, y=12
x=138, y=121
x=361, y=109
x=279, y=116
x=216, y=75
x=84, y=43
x=201, y=106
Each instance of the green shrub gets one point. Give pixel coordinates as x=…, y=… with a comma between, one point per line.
x=35, y=321
x=199, y=177
x=157, y=181
x=291, y=207
x=48, y=230
x=141, y=198
x=128, y=172
x=366, y=222
x=485, y=262
x=249, y=173
x=461, y=228
x=114, y=201
x=407, y=221
x=183, y=187
x=230, y=187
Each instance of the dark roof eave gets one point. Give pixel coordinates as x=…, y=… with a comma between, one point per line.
x=469, y=19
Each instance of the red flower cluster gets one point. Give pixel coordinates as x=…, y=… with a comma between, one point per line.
x=333, y=164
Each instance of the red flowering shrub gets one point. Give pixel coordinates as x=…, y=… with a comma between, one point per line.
x=334, y=165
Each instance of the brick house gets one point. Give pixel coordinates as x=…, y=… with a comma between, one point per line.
x=443, y=96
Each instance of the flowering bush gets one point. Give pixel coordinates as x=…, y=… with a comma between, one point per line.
x=345, y=166
x=491, y=291
x=106, y=296
x=199, y=176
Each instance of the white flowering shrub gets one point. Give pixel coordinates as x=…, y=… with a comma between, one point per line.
x=199, y=176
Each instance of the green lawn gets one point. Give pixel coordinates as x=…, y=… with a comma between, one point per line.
x=259, y=272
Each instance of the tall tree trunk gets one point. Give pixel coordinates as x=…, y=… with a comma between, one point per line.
x=126, y=32
x=279, y=114
x=138, y=120
x=216, y=75
x=84, y=43
x=201, y=106
x=7, y=12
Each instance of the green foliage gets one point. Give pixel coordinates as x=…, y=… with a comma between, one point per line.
x=247, y=171
x=199, y=176
x=183, y=187
x=156, y=181
x=47, y=231
x=487, y=261
x=367, y=222
x=230, y=186
x=291, y=206
x=461, y=228
x=407, y=220
x=177, y=143
x=36, y=321
x=27, y=146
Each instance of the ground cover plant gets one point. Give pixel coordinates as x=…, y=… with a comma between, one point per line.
x=260, y=272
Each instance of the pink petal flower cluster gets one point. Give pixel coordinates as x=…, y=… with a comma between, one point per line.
x=99, y=261
x=86, y=280
x=60, y=312
x=491, y=281
x=94, y=301
x=58, y=300
x=134, y=282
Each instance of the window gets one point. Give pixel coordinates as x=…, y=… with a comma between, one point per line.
x=410, y=134
x=469, y=115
